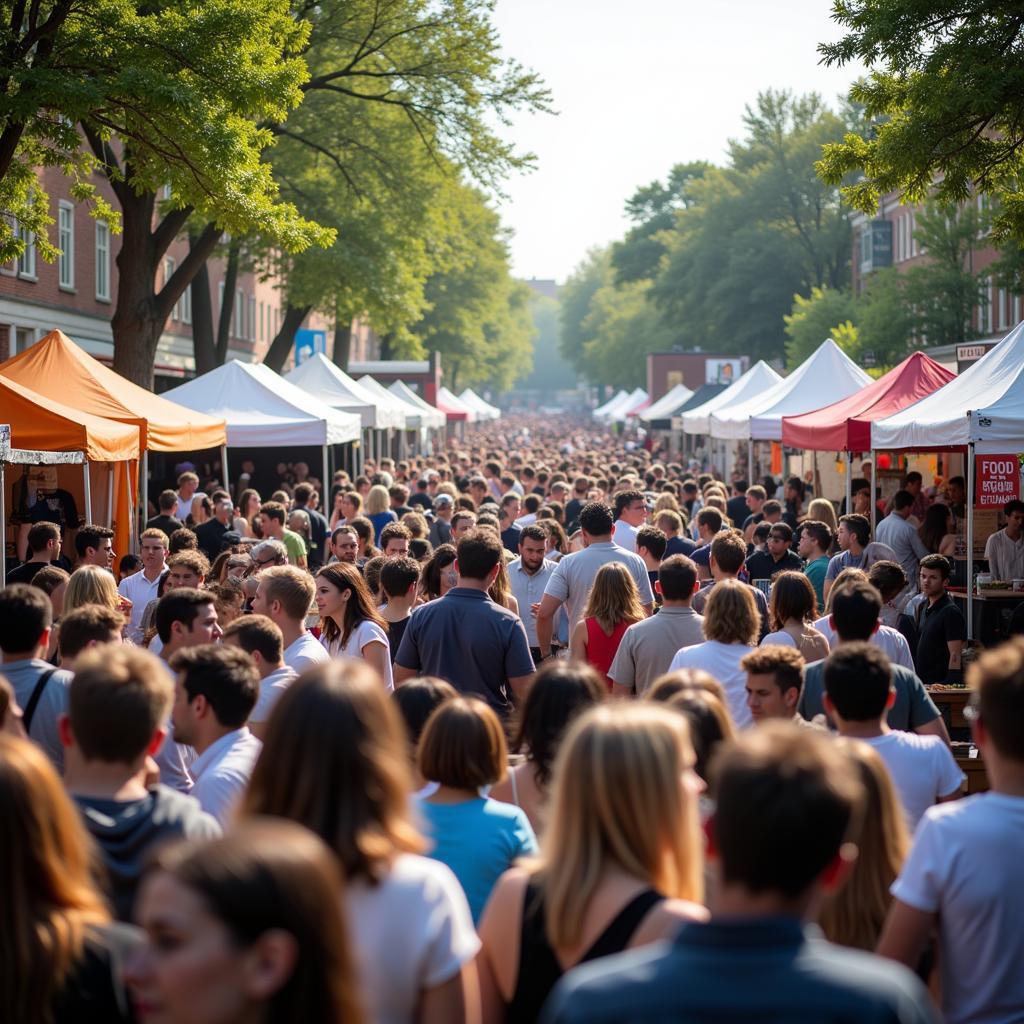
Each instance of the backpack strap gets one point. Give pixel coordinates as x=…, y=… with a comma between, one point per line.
x=33, y=702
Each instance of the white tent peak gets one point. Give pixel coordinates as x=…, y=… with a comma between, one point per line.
x=327, y=381
x=261, y=408
x=667, y=404
x=612, y=403
x=455, y=404
x=758, y=379
x=824, y=377
x=430, y=416
x=483, y=408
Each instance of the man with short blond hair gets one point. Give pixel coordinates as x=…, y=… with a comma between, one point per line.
x=273, y=516
x=142, y=587
x=284, y=595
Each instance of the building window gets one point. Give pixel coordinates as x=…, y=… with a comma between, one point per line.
x=185, y=302
x=262, y=334
x=252, y=318
x=220, y=298
x=1016, y=310
x=239, y=313
x=913, y=237
x=985, y=310
x=102, y=261
x=1001, y=319
x=27, y=260
x=66, y=243
x=169, y=267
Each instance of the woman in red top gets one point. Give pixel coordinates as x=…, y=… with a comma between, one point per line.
x=613, y=606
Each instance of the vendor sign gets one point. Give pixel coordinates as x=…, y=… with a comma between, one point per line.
x=998, y=479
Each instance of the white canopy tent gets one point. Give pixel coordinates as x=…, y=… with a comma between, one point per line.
x=980, y=411
x=326, y=381
x=757, y=380
x=484, y=409
x=667, y=404
x=456, y=404
x=430, y=417
x=626, y=406
x=398, y=414
x=824, y=377
x=612, y=403
x=263, y=410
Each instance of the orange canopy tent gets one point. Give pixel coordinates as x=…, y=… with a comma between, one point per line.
x=45, y=424
x=58, y=368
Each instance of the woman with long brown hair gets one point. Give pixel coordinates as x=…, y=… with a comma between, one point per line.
x=621, y=866
x=612, y=607
x=349, y=621
x=854, y=914
x=335, y=759
x=500, y=591
x=246, y=522
x=59, y=950
x=245, y=929
x=439, y=575
x=792, y=609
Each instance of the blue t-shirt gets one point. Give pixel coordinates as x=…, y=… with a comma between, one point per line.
x=380, y=520
x=479, y=840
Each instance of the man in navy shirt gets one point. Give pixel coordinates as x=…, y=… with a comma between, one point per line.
x=787, y=806
x=464, y=637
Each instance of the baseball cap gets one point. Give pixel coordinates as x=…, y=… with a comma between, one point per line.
x=443, y=499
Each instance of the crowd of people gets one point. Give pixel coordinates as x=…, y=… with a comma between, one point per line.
x=543, y=726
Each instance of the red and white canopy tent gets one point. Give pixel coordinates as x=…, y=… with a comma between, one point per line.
x=845, y=426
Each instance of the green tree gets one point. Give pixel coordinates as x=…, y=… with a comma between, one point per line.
x=576, y=296
x=652, y=209
x=826, y=313
x=944, y=98
x=943, y=293
x=884, y=318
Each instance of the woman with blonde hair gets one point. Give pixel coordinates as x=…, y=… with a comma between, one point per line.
x=350, y=624
x=335, y=759
x=378, y=509
x=59, y=950
x=853, y=915
x=621, y=866
x=823, y=511
x=792, y=609
x=665, y=501
x=89, y=584
x=731, y=627
x=500, y=591
x=612, y=607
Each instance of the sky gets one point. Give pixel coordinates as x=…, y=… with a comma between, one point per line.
x=640, y=85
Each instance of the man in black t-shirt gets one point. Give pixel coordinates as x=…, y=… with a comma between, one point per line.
x=44, y=549
x=777, y=556
x=399, y=578
x=167, y=519
x=940, y=626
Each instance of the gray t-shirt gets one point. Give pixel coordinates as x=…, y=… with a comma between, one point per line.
x=574, y=576
x=648, y=647
x=23, y=676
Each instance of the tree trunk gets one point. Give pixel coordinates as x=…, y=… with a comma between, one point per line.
x=342, y=342
x=227, y=307
x=203, y=344
x=387, y=342
x=284, y=340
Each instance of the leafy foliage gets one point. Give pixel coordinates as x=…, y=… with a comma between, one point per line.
x=944, y=98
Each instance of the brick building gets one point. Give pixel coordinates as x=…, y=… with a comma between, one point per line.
x=77, y=294
x=888, y=240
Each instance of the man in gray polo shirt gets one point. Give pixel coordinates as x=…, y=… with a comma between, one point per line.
x=648, y=646
x=40, y=689
x=573, y=577
x=464, y=637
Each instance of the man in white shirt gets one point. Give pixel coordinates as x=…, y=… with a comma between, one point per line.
x=962, y=876
x=1004, y=550
x=141, y=587
x=858, y=695
x=261, y=639
x=285, y=594
x=896, y=531
x=185, y=617
x=216, y=689
x=573, y=577
x=528, y=576
x=630, y=515
x=188, y=491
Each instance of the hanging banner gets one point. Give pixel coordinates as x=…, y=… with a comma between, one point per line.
x=997, y=480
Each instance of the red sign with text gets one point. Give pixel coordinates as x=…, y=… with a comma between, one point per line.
x=998, y=480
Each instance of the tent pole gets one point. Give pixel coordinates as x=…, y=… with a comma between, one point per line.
x=110, y=495
x=325, y=484
x=750, y=461
x=970, y=541
x=88, y=491
x=143, y=490
x=874, y=502
x=224, y=467
x=849, y=484
x=3, y=525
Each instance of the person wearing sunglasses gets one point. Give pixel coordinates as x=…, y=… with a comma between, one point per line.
x=776, y=557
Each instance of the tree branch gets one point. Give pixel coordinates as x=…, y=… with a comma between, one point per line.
x=198, y=254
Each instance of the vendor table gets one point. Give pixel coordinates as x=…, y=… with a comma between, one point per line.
x=992, y=611
x=972, y=767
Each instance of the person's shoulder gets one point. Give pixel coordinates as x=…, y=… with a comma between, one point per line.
x=498, y=810
x=179, y=812
x=906, y=676
x=961, y=815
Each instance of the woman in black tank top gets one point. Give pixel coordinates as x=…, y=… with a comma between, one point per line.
x=622, y=861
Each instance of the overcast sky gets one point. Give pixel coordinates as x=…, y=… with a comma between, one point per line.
x=640, y=85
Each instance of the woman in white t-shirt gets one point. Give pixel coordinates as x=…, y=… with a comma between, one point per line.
x=349, y=623
x=731, y=625
x=792, y=610
x=335, y=759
